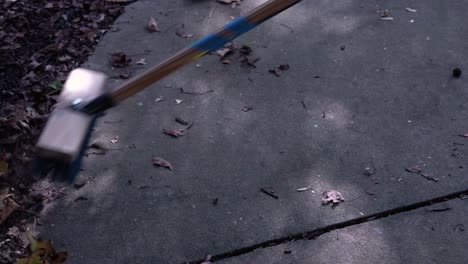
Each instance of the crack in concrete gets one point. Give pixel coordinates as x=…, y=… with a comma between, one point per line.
x=312, y=234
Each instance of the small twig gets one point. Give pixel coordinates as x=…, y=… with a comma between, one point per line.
x=428, y=177
x=113, y=122
x=195, y=93
x=269, y=193
x=304, y=104
x=211, y=12
x=189, y=126
x=437, y=210
x=288, y=27
x=181, y=121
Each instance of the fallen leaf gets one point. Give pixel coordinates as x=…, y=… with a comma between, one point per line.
x=207, y=260
x=119, y=59
x=247, y=108
x=246, y=50
x=304, y=189
x=42, y=252
x=178, y=101
x=182, y=34
x=159, y=99
x=224, y=52
x=115, y=140
x=414, y=169
x=141, y=62
x=56, y=85
x=160, y=162
x=174, y=132
x=3, y=167
x=13, y=231
x=411, y=10
x=333, y=197
x=81, y=198
x=464, y=135
x=152, y=25
x=370, y=170
x=7, y=206
x=280, y=69
x=386, y=15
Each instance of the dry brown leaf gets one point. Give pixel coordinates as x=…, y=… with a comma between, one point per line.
x=246, y=50
x=42, y=252
x=119, y=59
x=414, y=169
x=174, y=132
x=7, y=207
x=334, y=197
x=224, y=52
x=152, y=25
x=280, y=69
x=160, y=162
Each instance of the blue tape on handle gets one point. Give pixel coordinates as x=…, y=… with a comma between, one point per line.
x=211, y=42
x=239, y=26
x=214, y=42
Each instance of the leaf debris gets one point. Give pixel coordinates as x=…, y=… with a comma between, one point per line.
x=334, y=197
x=269, y=193
x=279, y=70
x=160, y=162
x=152, y=25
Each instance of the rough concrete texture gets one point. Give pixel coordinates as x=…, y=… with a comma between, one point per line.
x=421, y=236
x=373, y=91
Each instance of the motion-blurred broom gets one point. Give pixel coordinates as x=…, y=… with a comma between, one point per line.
x=66, y=134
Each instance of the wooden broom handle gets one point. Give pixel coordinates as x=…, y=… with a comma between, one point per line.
x=211, y=42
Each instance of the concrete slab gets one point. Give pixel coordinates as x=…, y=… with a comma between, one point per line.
x=384, y=95
x=421, y=236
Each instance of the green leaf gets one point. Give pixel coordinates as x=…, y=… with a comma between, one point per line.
x=57, y=85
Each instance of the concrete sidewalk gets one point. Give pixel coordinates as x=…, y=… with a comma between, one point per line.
x=360, y=93
x=434, y=234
